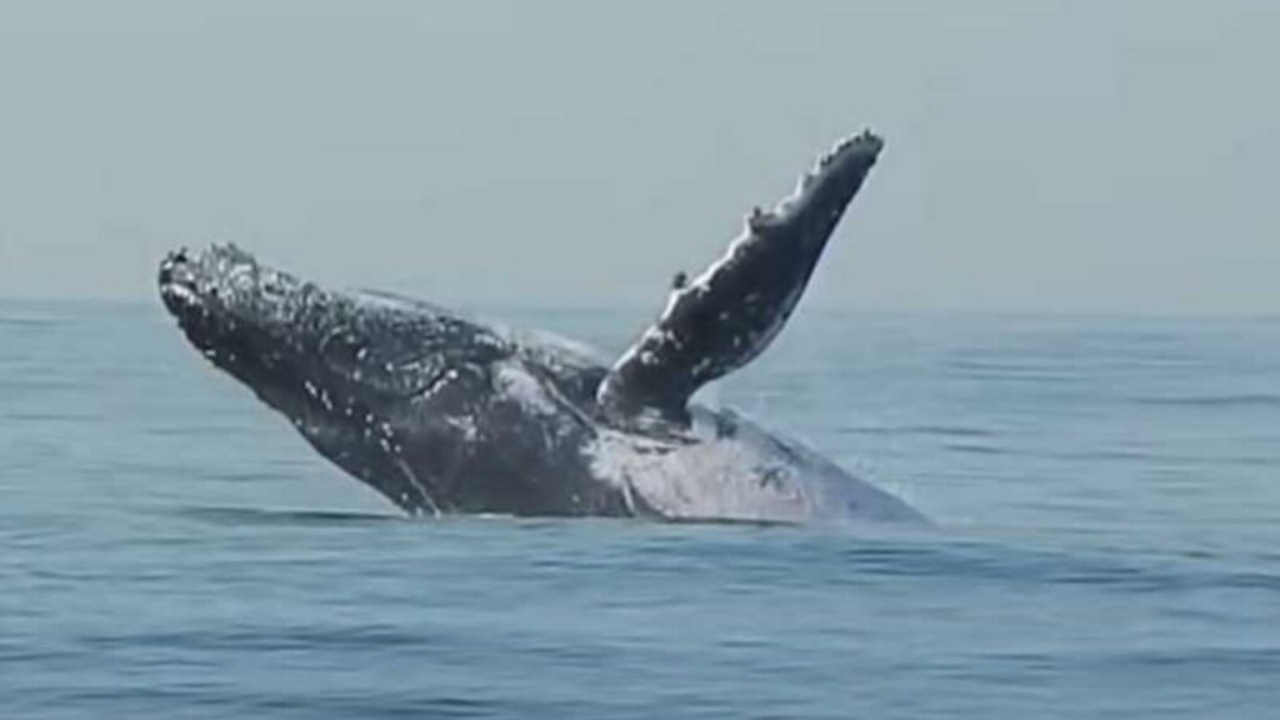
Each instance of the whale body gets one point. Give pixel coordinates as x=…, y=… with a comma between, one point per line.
x=442, y=413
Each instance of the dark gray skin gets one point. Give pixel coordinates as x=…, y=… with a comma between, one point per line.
x=442, y=414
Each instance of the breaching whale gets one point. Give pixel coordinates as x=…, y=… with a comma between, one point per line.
x=445, y=414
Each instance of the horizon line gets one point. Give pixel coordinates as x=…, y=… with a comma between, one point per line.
x=823, y=308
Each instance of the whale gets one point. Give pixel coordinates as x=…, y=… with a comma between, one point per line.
x=446, y=414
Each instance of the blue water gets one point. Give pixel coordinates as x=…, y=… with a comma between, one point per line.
x=1106, y=491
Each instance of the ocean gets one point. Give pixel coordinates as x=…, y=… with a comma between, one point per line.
x=1105, y=493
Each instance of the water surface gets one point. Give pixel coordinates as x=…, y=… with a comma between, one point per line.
x=1106, y=490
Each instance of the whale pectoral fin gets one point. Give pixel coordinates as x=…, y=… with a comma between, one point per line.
x=729, y=314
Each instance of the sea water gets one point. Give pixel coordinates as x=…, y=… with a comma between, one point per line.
x=1105, y=493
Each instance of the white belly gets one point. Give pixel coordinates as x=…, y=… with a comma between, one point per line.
x=736, y=471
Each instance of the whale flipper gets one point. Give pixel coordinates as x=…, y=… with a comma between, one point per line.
x=725, y=317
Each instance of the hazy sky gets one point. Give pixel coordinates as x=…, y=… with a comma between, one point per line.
x=1041, y=155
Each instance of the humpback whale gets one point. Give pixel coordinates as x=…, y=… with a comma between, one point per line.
x=442, y=413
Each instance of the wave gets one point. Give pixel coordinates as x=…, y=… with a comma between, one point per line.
x=1241, y=400
x=946, y=431
x=258, y=516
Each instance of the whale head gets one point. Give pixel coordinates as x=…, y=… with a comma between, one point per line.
x=356, y=373
x=264, y=327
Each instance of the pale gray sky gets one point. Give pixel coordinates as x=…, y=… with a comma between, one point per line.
x=1096, y=156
